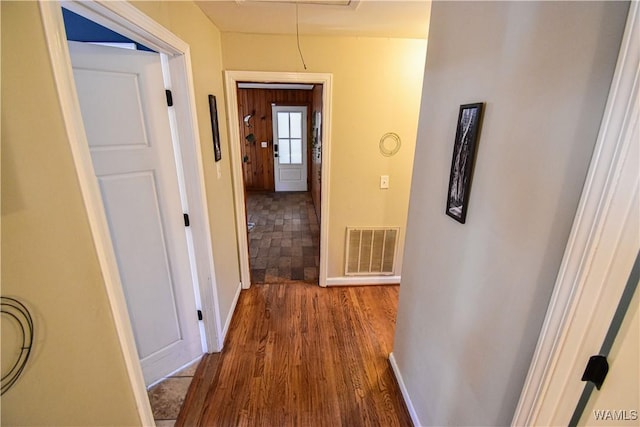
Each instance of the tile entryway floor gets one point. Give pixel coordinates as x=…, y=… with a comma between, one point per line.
x=284, y=243
x=166, y=398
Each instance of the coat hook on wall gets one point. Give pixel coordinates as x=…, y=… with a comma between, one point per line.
x=247, y=118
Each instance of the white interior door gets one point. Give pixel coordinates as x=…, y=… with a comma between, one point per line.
x=618, y=401
x=122, y=98
x=290, y=148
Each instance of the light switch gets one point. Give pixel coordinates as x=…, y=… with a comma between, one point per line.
x=384, y=181
x=264, y=144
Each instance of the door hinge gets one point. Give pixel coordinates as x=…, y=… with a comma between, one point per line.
x=169, y=97
x=199, y=314
x=596, y=370
x=186, y=220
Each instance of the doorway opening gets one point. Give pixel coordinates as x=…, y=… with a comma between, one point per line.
x=281, y=183
x=281, y=164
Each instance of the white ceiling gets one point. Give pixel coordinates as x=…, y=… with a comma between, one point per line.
x=367, y=18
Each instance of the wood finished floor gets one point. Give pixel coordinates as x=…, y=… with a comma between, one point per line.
x=300, y=355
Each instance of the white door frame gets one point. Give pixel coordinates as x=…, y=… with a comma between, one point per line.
x=232, y=78
x=600, y=252
x=131, y=22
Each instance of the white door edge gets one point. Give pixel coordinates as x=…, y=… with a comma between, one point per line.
x=200, y=230
x=132, y=23
x=175, y=138
x=231, y=80
x=551, y=393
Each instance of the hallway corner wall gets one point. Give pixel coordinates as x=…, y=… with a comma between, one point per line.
x=473, y=296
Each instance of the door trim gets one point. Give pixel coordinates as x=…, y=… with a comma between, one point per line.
x=596, y=263
x=131, y=22
x=231, y=80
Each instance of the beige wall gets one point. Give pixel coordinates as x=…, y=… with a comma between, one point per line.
x=189, y=23
x=76, y=374
x=376, y=89
x=473, y=296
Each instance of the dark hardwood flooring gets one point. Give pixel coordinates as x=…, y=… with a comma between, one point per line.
x=301, y=355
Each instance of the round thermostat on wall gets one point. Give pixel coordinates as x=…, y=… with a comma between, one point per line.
x=390, y=144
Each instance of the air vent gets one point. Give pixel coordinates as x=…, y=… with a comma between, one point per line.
x=371, y=251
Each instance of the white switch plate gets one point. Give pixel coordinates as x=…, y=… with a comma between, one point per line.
x=384, y=181
x=264, y=144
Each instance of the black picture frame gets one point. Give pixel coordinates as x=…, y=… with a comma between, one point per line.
x=213, y=110
x=463, y=160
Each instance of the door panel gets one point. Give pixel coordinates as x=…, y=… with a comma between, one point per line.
x=137, y=192
x=108, y=126
x=289, y=175
x=122, y=98
x=290, y=148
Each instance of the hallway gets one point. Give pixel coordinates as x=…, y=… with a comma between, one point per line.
x=284, y=243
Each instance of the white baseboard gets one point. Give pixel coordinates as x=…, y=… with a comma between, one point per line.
x=363, y=280
x=227, y=323
x=403, y=390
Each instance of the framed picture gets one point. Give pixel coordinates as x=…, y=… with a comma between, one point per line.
x=464, y=151
x=213, y=110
